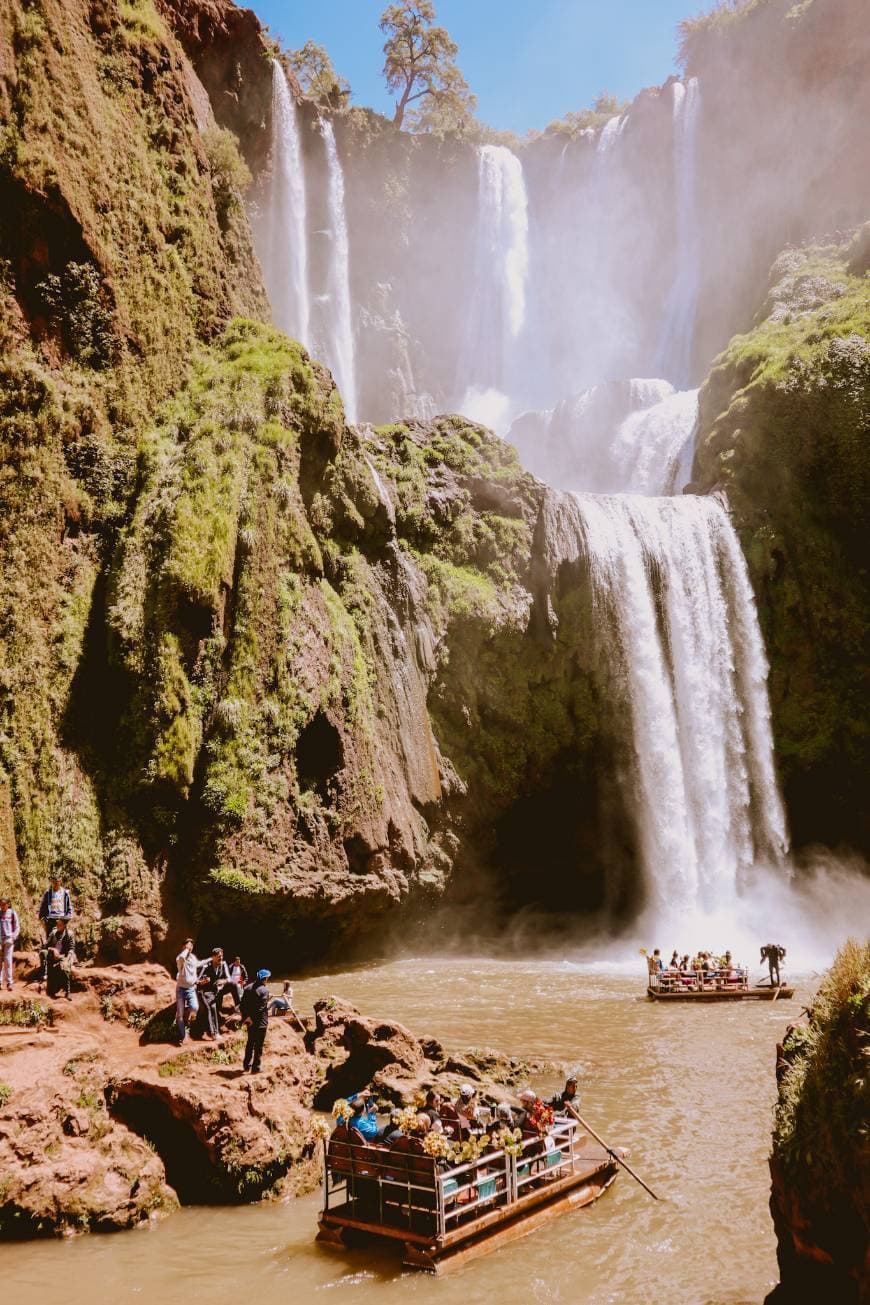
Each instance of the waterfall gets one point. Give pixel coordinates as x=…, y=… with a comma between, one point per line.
x=339, y=345
x=287, y=237
x=497, y=310
x=675, y=348
x=678, y=629
x=650, y=444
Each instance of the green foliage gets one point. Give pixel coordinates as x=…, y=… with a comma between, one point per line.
x=820, y=1131
x=5, y=1093
x=604, y=107
x=236, y=880
x=230, y=175
x=26, y=1014
x=76, y=303
x=419, y=68
x=317, y=76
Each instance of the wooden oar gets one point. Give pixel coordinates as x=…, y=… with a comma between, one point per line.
x=610, y=1151
x=776, y=994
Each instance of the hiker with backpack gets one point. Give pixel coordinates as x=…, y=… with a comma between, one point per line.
x=10, y=928
x=56, y=905
x=255, y=1014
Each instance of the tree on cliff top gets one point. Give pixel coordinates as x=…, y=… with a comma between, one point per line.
x=317, y=76
x=418, y=66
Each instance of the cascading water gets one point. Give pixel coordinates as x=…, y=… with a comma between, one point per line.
x=286, y=234
x=675, y=348
x=497, y=310
x=679, y=633
x=339, y=343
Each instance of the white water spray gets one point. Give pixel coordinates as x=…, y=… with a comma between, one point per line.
x=680, y=632
x=287, y=236
x=339, y=344
x=675, y=348
x=497, y=311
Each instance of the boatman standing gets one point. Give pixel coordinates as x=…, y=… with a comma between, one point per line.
x=773, y=954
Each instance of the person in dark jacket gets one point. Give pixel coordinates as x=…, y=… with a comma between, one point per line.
x=255, y=1013
x=56, y=905
x=214, y=975
x=58, y=958
x=567, y=1097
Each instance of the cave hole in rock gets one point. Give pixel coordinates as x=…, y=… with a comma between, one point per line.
x=567, y=847
x=188, y=1168
x=319, y=754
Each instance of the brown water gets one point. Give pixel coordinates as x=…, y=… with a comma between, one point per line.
x=689, y=1091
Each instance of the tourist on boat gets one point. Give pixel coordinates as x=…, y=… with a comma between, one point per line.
x=392, y=1129
x=674, y=962
x=504, y=1118
x=412, y=1143
x=567, y=1097
x=365, y=1117
x=433, y=1104
x=685, y=965
x=466, y=1104
x=655, y=964
x=255, y=1014
x=773, y=954
x=215, y=974
x=238, y=981
x=56, y=905
x=10, y=928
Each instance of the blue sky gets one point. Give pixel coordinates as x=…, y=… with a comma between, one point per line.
x=528, y=61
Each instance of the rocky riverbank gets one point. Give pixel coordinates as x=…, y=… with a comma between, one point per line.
x=105, y=1124
x=820, y=1162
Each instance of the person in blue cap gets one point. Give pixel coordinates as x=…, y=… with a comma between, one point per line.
x=255, y=1014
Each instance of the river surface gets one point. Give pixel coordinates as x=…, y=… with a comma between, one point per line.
x=689, y=1091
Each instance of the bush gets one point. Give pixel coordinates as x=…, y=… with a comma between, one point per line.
x=76, y=306
x=230, y=175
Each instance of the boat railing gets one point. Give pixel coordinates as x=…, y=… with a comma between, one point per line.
x=381, y=1187
x=735, y=979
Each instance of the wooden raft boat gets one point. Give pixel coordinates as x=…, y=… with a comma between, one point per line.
x=443, y=1217
x=712, y=990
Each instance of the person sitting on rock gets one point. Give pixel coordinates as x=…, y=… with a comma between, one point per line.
x=58, y=960
x=281, y=1004
x=255, y=1014
x=238, y=981
x=215, y=975
x=56, y=905
x=365, y=1117
x=10, y=928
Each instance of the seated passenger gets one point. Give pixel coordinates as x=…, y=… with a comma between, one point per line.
x=466, y=1103
x=412, y=1143
x=504, y=1118
x=674, y=962
x=391, y=1129
x=432, y=1105
x=343, y=1132
x=685, y=965
x=365, y=1117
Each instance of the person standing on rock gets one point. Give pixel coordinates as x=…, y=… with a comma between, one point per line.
x=186, y=1000
x=59, y=958
x=10, y=928
x=56, y=905
x=215, y=974
x=255, y=1013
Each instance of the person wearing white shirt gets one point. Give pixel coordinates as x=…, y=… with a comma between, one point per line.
x=186, y=998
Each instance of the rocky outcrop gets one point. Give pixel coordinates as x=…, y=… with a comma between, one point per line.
x=104, y=1126
x=820, y=1162
x=784, y=425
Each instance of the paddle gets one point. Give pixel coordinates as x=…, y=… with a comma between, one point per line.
x=609, y=1150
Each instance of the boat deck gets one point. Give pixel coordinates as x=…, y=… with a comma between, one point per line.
x=724, y=993
x=444, y=1216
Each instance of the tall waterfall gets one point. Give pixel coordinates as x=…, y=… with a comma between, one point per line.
x=497, y=310
x=678, y=627
x=339, y=344
x=287, y=236
x=675, y=346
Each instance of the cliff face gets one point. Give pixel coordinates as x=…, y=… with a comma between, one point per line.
x=820, y=1163
x=784, y=426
